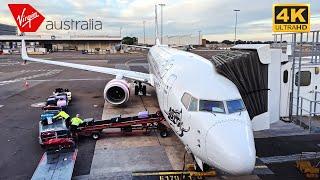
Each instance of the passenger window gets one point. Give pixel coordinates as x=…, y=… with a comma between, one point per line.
x=305, y=78
x=285, y=76
x=193, y=104
x=186, y=100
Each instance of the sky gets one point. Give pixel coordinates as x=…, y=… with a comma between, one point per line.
x=214, y=18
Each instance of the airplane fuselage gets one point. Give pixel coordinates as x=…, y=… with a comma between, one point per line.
x=186, y=86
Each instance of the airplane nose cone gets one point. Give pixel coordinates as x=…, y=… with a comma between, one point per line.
x=230, y=147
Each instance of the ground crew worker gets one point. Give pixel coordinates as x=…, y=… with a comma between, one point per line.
x=63, y=115
x=75, y=122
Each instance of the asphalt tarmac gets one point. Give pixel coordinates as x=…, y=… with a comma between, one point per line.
x=286, y=146
x=20, y=151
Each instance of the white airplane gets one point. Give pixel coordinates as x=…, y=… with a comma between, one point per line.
x=187, y=47
x=204, y=109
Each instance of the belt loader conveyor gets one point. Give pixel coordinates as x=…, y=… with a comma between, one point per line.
x=94, y=128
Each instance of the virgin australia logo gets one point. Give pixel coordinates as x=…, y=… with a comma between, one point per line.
x=27, y=18
x=24, y=20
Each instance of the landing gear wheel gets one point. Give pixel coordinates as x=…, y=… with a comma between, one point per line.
x=164, y=133
x=144, y=90
x=140, y=89
x=95, y=136
x=136, y=90
x=206, y=167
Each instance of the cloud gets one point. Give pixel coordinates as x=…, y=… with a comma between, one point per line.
x=215, y=19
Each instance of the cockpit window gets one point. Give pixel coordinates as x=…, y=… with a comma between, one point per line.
x=235, y=106
x=193, y=104
x=211, y=106
x=186, y=100
x=189, y=102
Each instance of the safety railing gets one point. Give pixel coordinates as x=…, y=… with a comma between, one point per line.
x=303, y=49
x=299, y=44
x=310, y=113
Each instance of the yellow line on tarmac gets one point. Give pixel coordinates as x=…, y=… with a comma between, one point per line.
x=159, y=173
x=170, y=173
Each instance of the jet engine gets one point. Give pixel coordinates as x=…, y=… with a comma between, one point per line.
x=117, y=91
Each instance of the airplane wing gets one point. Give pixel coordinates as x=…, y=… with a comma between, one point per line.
x=143, y=77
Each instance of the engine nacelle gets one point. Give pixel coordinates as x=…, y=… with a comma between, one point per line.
x=117, y=91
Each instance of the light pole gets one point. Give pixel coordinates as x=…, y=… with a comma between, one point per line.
x=120, y=31
x=161, y=5
x=199, y=37
x=144, y=32
x=235, y=26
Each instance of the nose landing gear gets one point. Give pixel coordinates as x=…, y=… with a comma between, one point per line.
x=197, y=173
x=199, y=165
x=196, y=167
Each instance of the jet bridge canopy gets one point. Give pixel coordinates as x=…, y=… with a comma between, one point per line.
x=246, y=71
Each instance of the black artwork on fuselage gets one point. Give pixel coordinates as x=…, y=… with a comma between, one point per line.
x=175, y=116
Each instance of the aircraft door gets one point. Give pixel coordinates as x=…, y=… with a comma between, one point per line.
x=309, y=84
x=286, y=76
x=168, y=86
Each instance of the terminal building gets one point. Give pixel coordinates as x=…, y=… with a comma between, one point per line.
x=8, y=29
x=10, y=41
x=62, y=42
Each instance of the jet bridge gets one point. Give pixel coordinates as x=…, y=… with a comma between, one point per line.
x=255, y=70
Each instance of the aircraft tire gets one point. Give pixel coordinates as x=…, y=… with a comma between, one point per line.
x=95, y=136
x=136, y=90
x=144, y=90
x=164, y=133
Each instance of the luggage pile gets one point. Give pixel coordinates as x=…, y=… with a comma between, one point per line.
x=60, y=99
x=52, y=130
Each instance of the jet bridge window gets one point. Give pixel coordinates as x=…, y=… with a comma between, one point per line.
x=305, y=78
x=211, y=106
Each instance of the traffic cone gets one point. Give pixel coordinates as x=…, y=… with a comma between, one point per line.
x=26, y=84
